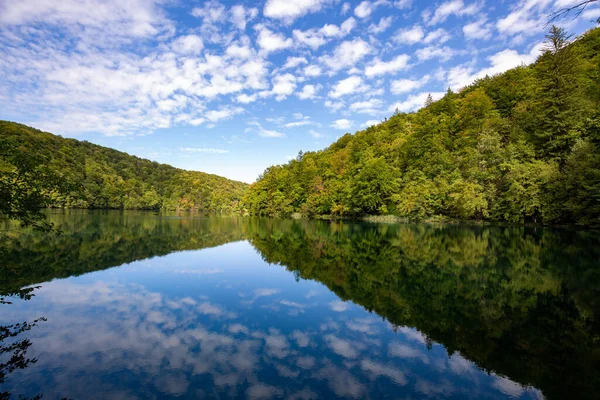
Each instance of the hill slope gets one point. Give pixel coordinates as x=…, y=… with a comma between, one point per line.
x=521, y=146
x=72, y=173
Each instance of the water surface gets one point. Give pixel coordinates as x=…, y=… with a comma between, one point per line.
x=137, y=305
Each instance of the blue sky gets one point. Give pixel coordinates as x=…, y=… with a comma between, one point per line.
x=233, y=87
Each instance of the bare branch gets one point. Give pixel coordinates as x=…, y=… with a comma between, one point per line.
x=578, y=8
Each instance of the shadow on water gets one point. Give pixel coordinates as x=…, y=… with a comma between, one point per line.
x=520, y=302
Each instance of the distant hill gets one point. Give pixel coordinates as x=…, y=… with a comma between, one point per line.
x=522, y=146
x=100, y=177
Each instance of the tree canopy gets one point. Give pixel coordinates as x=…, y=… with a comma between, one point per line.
x=38, y=169
x=518, y=147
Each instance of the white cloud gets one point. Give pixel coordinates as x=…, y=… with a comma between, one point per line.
x=293, y=62
x=225, y=113
x=401, y=86
x=296, y=124
x=379, y=67
x=347, y=54
x=477, y=30
x=382, y=26
x=402, y=4
x=283, y=86
x=410, y=35
x=190, y=44
x=453, y=7
x=350, y=85
x=203, y=150
x=269, y=133
x=430, y=52
x=245, y=98
x=371, y=106
x=140, y=18
x=340, y=124
x=241, y=15
x=317, y=37
x=309, y=92
x=439, y=36
x=414, y=102
x=270, y=41
x=288, y=11
x=463, y=75
x=312, y=71
x=526, y=18
x=370, y=122
x=334, y=106
x=211, y=12
x=364, y=9
x=592, y=14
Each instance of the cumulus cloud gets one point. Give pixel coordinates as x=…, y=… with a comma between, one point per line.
x=442, y=53
x=288, y=11
x=347, y=54
x=341, y=124
x=270, y=41
x=401, y=86
x=379, y=67
x=203, y=150
x=410, y=35
x=351, y=85
x=414, y=102
x=309, y=92
x=283, y=86
x=477, y=30
x=452, y=7
x=463, y=75
x=128, y=68
x=364, y=9
x=317, y=37
x=293, y=62
x=139, y=18
x=241, y=15
x=382, y=26
x=371, y=106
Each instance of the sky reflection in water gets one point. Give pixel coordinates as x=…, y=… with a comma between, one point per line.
x=223, y=323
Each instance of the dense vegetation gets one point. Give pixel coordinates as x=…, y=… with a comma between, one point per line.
x=523, y=146
x=38, y=169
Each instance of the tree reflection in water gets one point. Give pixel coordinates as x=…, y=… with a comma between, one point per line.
x=13, y=349
x=519, y=302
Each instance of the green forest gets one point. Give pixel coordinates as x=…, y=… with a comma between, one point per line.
x=519, y=147
x=38, y=169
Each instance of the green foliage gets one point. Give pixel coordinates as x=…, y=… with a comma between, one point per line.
x=38, y=169
x=518, y=147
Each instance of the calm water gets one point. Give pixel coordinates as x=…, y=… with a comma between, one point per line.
x=136, y=305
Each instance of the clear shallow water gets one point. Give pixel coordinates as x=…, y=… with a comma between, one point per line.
x=142, y=306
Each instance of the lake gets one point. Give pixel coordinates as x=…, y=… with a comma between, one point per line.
x=137, y=305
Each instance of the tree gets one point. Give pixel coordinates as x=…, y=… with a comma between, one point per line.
x=557, y=89
x=371, y=186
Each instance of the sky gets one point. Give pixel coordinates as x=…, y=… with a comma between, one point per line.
x=233, y=87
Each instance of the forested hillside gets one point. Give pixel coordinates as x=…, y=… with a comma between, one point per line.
x=523, y=146
x=40, y=169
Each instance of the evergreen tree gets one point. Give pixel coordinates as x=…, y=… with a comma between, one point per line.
x=557, y=87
